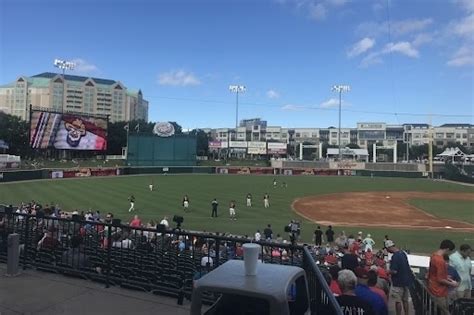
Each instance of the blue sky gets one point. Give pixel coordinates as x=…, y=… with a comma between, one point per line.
x=401, y=57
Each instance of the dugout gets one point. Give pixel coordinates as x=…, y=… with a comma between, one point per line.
x=152, y=150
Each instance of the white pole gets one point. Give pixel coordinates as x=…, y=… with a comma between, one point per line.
x=395, y=153
x=374, y=153
x=301, y=151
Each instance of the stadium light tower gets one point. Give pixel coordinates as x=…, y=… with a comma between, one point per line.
x=64, y=65
x=237, y=89
x=340, y=89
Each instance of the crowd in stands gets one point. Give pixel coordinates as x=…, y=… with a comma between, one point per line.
x=358, y=274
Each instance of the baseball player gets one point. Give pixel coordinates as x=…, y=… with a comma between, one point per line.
x=232, y=210
x=249, y=200
x=266, y=201
x=132, y=203
x=185, y=203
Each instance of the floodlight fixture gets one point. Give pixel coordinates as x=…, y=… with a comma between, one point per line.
x=235, y=88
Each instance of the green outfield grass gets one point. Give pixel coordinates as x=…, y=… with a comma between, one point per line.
x=447, y=209
x=111, y=193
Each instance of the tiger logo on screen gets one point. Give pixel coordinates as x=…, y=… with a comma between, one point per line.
x=75, y=131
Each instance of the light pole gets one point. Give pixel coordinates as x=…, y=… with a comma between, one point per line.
x=237, y=89
x=340, y=89
x=64, y=65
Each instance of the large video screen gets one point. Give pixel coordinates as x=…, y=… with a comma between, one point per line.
x=67, y=131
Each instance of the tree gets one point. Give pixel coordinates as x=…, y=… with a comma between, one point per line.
x=15, y=131
x=202, y=139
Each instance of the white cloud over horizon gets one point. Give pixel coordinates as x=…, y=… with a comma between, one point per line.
x=178, y=78
x=316, y=10
x=84, y=67
x=273, y=94
x=361, y=46
x=292, y=107
x=333, y=102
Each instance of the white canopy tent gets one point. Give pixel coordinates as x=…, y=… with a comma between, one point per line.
x=451, y=153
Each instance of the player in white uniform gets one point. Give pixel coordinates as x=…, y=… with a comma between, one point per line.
x=249, y=200
x=232, y=210
x=266, y=201
x=132, y=203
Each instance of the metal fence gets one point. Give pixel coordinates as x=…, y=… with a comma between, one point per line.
x=425, y=304
x=163, y=262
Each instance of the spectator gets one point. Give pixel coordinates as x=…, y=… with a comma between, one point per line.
x=461, y=261
x=349, y=260
x=334, y=285
x=75, y=256
x=452, y=275
x=165, y=222
x=258, y=236
x=207, y=261
x=318, y=236
x=372, y=283
x=362, y=290
x=350, y=240
x=359, y=236
x=330, y=235
x=49, y=240
x=136, y=222
x=268, y=232
x=402, y=277
x=386, y=241
x=438, y=281
x=341, y=240
x=350, y=303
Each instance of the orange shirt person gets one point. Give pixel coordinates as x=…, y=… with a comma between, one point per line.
x=438, y=282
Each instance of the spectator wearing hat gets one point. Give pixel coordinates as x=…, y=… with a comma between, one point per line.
x=461, y=261
x=402, y=277
x=363, y=291
x=351, y=303
x=438, y=281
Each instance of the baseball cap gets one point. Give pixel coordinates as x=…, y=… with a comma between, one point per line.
x=360, y=272
x=389, y=243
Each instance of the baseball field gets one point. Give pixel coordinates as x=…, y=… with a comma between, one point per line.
x=416, y=213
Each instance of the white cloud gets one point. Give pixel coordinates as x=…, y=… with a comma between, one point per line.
x=292, y=107
x=317, y=11
x=421, y=39
x=410, y=26
x=463, y=57
x=333, y=102
x=464, y=27
x=273, y=94
x=467, y=5
x=178, y=78
x=397, y=28
x=404, y=48
x=361, y=46
x=84, y=67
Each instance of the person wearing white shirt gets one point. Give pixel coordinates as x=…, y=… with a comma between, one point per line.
x=258, y=236
x=368, y=242
x=165, y=222
x=461, y=261
x=205, y=260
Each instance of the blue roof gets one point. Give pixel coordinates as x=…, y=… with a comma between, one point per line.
x=69, y=77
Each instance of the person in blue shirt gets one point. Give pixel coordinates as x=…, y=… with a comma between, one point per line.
x=402, y=277
x=363, y=291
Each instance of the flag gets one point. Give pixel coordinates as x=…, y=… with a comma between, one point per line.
x=137, y=128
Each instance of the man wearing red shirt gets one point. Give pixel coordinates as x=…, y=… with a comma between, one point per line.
x=136, y=222
x=438, y=282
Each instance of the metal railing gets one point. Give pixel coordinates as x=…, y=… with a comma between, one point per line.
x=322, y=301
x=425, y=304
x=145, y=259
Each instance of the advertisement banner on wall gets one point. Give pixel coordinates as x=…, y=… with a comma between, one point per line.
x=238, y=144
x=84, y=172
x=254, y=150
x=276, y=148
x=257, y=144
x=215, y=144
